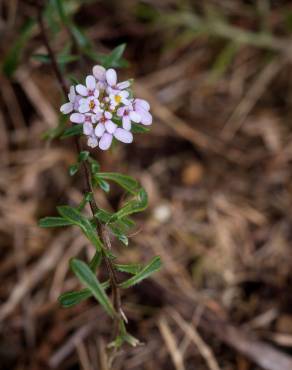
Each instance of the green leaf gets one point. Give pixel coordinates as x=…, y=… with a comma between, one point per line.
x=148, y=270
x=87, y=277
x=133, y=206
x=114, y=59
x=130, y=268
x=73, y=169
x=96, y=261
x=139, y=129
x=127, y=182
x=104, y=185
x=82, y=40
x=86, y=199
x=120, y=235
x=106, y=217
x=70, y=299
x=75, y=217
x=73, y=131
x=83, y=155
x=54, y=222
x=61, y=12
x=12, y=58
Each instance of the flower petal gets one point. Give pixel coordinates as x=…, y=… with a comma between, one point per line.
x=121, y=111
x=141, y=103
x=135, y=117
x=99, y=130
x=146, y=117
x=111, y=76
x=123, y=85
x=84, y=108
x=108, y=115
x=90, y=82
x=87, y=128
x=99, y=72
x=127, y=123
x=82, y=90
x=123, y=135
x=110, y=126
x=72, y=94
x=105, y=141
x=77, y=118
x=92, y=141
x=66, y=108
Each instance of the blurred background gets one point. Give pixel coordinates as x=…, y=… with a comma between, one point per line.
x=216, y=165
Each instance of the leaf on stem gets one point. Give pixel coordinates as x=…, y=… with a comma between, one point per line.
x=126, y=182
x=75, y=217
x=87, y=277
x=148, y=270
x=47, y=222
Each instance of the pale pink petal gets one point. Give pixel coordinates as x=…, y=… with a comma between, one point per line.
x=108, y=115
x=66, y=108
x=90, y=82
x=123, y=135
x=99, y=72
x=121, y=111
x=127, y=123
x=84, y=108
x=146, y=117
x=77, y=118
x=72, y=94
x=105, y=141
x=123, y=85
x=99, y=130
x=82, y=90
x=124, y=94
x=135, y=117
x=141, y=103
x=77, y=101
x=92, y=142
x=111, y=77
x=87, y=128
x=96, y=93
x=110, y=126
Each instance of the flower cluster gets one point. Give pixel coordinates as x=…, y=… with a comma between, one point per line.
x=106, y=108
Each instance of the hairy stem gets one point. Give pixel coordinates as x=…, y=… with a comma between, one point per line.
x=102, y=230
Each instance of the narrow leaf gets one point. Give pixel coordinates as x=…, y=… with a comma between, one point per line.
x=54, y=222
x=133, y=206
x=148, y=270
x=75, y=217
x=127, y=182
x=87, y=277
x=70, y=299
x=139, y=129
x=72, y=131
x=130, y=268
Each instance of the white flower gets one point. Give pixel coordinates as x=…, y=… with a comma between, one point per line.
x=128, y=114
x=112, y=79
x=106, y=129
x=90, y=88
x=117, y=98
x=91, y=103
x=105, y=109
x=99, y=73
x=73, y=102
x=142, y=107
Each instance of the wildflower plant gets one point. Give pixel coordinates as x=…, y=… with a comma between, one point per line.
x=99, y=110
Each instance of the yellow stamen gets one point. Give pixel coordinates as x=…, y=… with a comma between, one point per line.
x=91, y=104
x=118, y=99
